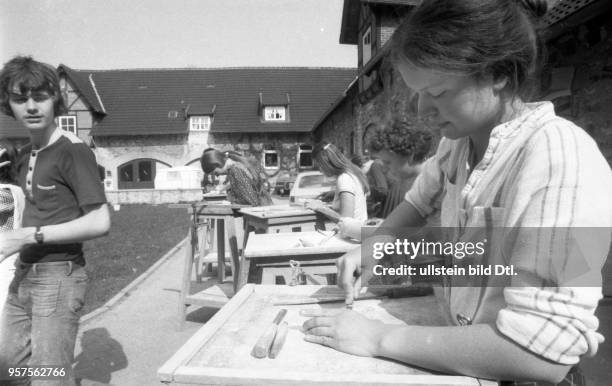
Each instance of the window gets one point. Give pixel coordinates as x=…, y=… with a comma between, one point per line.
x=137, y=174
x=270, y=159
x=199, y=123
x=305, y=156
x=366, y=46
x=68, y=123
x=144, y=171
x=126, y=173
x=275, y=113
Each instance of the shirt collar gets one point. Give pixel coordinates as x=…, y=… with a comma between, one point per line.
x=532, y=111
x=55, y=136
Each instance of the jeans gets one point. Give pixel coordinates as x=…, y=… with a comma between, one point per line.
x=40, y=321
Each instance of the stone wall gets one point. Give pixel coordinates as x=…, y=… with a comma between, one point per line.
x=588, y=50
x=178, y=150
x=153, y=196
x=392, y=103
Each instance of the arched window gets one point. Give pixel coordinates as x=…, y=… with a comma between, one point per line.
x=137, y=174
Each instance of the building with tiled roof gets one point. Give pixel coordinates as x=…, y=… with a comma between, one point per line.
x=578, y=34
x=141, y=120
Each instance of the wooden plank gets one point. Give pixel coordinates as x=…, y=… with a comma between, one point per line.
x=275, y=211
x=214, y=296
x=194, y=344
x=229, y=349
x=290, y=244
x=220, y=376
x=219, y=353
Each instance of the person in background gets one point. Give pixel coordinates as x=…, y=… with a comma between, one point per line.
x=534, y=182
x=12, y=202
x=246, y=184
x=401, y=151
x=377, y=181
x=402, y=148
x=351, y=184
x=65, y=205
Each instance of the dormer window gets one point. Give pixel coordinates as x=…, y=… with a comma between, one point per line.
x=275, y=113
x=68, y=123
x=199, y=123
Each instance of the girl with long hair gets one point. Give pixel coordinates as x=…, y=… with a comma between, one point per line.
x=247, y=184
x=351, y=184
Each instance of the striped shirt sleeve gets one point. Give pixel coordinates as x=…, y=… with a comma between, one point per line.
x=561, y=216
x=428, y=188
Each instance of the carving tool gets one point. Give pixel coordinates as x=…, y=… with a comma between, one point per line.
x=279, y=339
x=394, y=293
x=261, y=348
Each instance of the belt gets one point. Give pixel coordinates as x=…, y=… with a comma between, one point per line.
x=68, y=266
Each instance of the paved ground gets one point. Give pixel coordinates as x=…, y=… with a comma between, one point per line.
x=125, y=345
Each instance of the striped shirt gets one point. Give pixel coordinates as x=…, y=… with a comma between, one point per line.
x=542, y=194
x=6, y=210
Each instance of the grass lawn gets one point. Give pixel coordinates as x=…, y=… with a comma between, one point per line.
x=139, y=236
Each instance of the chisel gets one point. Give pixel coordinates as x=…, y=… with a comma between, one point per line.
x=279, y=339
x=261, y=348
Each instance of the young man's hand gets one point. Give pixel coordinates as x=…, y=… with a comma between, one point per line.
x=12, y=241
x=346, y=331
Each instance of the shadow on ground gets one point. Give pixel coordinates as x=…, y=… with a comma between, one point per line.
x=100, y=356
x=201, y=315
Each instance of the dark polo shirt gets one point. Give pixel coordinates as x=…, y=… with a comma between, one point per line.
x=59, y=180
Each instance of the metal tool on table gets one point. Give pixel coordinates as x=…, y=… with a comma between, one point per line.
x=262, y=347
x=298, y=276
x=392, y=293
x=279, y=340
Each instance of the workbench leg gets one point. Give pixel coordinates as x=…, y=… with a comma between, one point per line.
x=199, y=254
x=245, y=266
x=221, y=250
x=186, y=283
x=247, y=226
x=233, y=243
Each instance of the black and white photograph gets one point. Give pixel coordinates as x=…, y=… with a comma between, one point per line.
x=306, y=192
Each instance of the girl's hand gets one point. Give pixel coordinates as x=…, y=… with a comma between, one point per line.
x=345, y=331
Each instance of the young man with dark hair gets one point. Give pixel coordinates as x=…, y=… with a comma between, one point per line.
x=65, y=205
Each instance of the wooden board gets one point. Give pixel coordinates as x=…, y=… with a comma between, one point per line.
x=219, y=353
x=273, y=211
x=290, y=244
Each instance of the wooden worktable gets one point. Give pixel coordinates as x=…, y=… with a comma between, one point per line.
x=220, y=352
x=279, y=248
x=263, y=219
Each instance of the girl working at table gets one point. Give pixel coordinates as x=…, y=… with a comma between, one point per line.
x=506, y=163
x=246, y=184
x=351, y=183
